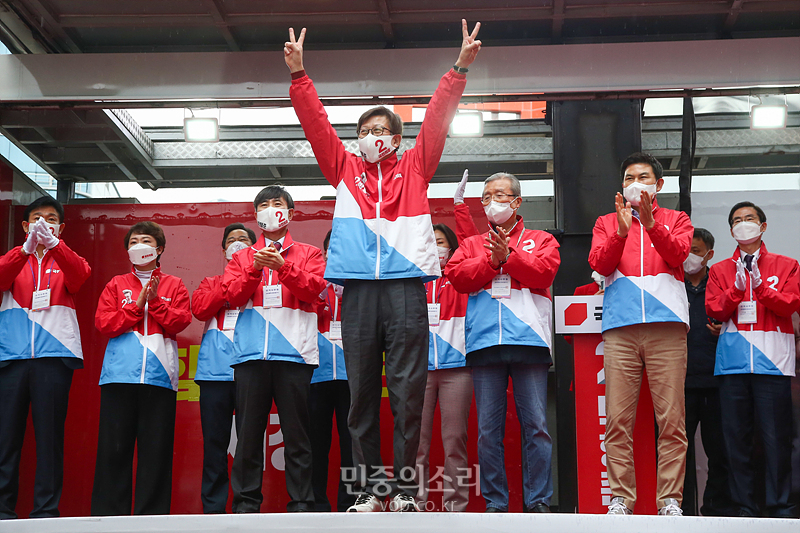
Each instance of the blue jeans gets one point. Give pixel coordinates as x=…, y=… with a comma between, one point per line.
x=530, y=397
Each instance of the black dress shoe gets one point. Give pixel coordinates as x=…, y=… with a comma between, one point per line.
x=537, y=508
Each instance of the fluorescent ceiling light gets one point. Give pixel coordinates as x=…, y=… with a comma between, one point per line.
x=201, y=129
x=768, y=117
x=467, y=125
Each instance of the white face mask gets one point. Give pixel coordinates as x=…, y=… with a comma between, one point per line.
x=497, y=212
x=273, y=218
x=444, y=255
x=633, y=192
x=693, y=264
x=141, y=254
x=234, y=247
x=746, y=232
x=375, y=148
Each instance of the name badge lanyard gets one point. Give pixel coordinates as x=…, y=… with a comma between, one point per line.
x=436, y=295
x=335, y=305
x=37, y=291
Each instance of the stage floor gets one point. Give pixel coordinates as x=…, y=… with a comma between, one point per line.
x=400, y=523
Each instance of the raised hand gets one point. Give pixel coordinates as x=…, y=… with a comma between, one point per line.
x=755, y=273
x=458, y=197
x=469, y=46
x=741, y=275
x=293, y=51
x=45, y=236
x=624, y=216
x=497, y=243
x=646, y=210
x=32, y=241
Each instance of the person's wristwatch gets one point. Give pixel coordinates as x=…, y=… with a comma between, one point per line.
x=460, y=70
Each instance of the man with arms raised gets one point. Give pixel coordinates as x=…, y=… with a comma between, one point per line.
x=382, y=250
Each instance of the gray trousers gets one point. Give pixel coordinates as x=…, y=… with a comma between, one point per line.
x=391, y=317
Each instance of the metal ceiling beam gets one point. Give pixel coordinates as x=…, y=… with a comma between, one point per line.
x=386, y=21
x=733, y=15
x=437, y=14
x=216, y=11
x=252, y=76
x=52, y=24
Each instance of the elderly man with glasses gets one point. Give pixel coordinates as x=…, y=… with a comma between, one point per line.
x=508, y=272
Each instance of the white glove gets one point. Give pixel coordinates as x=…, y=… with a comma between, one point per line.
x=45, y=237
x=338, y=290
x=755, y=274
x=741, y=275
x=32, y=241
x=458, y=197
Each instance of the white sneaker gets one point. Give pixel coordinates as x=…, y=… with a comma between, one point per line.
x=365, y=503
x=402, y=503
x=618, y=507
x=671, y=508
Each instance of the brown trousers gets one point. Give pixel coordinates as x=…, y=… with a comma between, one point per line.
x=660, y=349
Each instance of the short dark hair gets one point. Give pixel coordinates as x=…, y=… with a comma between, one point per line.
x=644, y=159
x=44, y=201
x=273, y=191
x=147, y=228
x=395, y=122
x=762, y=217
x=705, y=236
x=233, y=227
x=327, y=240
x=449, y=235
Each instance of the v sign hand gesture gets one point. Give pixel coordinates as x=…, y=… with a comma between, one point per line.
x=293, y=51
x=469, y=46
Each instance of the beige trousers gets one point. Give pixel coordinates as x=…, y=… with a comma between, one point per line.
x=660, y=349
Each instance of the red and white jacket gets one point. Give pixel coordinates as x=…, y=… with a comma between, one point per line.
x=51, y=332
x=286, y=333
x=644, y=270
x=381, y=221
x=525, y=317
x=768, y=345
x=216, y=350
x=331, y=354
x=143, y=347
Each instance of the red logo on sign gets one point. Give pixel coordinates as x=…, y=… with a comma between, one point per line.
x=576, y=314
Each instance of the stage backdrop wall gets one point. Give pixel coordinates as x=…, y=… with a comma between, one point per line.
x=193, y=251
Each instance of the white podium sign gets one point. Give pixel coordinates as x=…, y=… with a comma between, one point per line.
x=579, y=314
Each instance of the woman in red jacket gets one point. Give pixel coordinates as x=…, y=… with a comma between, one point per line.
x=142, y=312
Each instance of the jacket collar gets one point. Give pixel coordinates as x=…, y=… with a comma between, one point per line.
x=390, y=161
x=762, y=251
x=156, y=271
x=261, y=242
x=516, y=231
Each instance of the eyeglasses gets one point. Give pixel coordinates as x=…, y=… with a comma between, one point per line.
x=377, y=131
x=497, y=197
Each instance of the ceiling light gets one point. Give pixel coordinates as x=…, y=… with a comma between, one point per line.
x=201, y=129
x=467, y=125
x=768, y=117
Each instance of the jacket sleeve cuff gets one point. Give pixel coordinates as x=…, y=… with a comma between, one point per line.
x=282, y=271
x=299, y=74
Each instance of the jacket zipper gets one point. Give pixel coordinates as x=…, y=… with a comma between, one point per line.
x=435, y=344
x=38, y=288
x=269, y=315
x=333, y=344
x=641, y=266
x=752, y=368
x=144, y=351
x=500, y=318
x=378, y=221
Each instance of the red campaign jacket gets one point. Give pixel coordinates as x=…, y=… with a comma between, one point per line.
x=142, y=347
x=292, y=333
x=57, y=334
x=525, y=317
x=381, y=222
x=644, y=270
x=209, y=305
x=768, y=346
